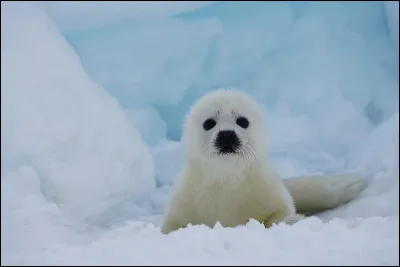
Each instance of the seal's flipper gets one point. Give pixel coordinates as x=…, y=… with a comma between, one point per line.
x=316, y=193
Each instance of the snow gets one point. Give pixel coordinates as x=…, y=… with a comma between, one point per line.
x=92, y=101
x=54, y=118
x=354, y=243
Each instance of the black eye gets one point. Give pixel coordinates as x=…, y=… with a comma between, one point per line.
x=242, y=122
x=209, y=124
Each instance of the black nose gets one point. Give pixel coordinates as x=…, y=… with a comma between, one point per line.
x=227, y=142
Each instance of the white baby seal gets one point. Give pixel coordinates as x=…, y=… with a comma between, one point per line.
x=226, y=176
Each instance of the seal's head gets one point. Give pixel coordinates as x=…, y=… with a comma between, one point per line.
x=225, y=128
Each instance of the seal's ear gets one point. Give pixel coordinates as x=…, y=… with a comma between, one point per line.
x=316, y=193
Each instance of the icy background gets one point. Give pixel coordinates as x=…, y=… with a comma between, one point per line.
x=92, y=101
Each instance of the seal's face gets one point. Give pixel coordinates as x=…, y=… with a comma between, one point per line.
x=226, y=138
x=225, y=127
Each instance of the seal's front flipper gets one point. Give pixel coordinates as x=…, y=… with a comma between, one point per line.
x=315, y=193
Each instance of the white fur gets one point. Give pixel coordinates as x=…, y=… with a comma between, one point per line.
x=316, y=193
x=233, y=188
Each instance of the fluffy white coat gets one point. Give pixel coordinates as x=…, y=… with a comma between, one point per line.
x=233, y=188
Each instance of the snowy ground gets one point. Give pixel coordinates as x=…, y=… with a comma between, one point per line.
x=364, y=232
x=83, y=185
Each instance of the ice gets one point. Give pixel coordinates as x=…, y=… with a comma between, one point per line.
x=149, y=124
x=71, y=15
x=168, y=159
x=93, y=97
x=132, y=79
x=55, y=119
x=308, y=58
x=392, y=15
